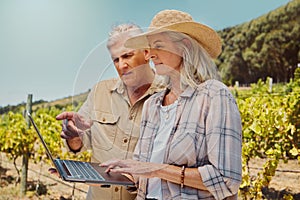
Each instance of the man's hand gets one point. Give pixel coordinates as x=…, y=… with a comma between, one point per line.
x=73, y=124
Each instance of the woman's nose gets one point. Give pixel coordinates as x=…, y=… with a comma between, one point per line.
x=149, y=54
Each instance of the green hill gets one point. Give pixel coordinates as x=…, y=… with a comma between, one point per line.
x=59, y=103
x=267, y=46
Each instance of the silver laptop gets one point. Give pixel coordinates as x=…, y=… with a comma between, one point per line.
x=86, y=172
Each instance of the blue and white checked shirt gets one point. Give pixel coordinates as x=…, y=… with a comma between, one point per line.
x=206, y=135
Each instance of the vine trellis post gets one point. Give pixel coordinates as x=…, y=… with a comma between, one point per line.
x=25, y=159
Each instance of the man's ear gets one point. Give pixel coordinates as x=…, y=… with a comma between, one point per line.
x=146, y=54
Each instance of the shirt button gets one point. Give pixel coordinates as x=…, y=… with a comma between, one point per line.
x=131, y=117
x=103, y=119
x=125, y=140
x=116, y=189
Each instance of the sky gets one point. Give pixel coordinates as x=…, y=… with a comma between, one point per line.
x=57, y=48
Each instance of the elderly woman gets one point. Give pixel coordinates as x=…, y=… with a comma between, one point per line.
x=190, y=140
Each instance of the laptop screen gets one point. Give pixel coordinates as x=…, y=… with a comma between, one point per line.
x=41, y=137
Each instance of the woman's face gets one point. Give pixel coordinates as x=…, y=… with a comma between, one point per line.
x=164, y=53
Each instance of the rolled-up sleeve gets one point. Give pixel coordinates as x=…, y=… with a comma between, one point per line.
x=222, y=176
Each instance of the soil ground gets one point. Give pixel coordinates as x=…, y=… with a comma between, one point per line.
x=43, y=185
x=285, y=181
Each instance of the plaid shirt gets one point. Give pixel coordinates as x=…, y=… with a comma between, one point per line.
x=206, y=135
x=115, y=130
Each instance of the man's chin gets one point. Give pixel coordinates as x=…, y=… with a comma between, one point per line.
x=129, y=82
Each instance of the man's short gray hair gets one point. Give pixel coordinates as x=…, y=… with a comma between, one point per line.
x=121, y=30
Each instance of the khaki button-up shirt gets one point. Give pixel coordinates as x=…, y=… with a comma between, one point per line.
x=115, y=129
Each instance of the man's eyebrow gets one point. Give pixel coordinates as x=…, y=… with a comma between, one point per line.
x=126, y=53
x=122, y=55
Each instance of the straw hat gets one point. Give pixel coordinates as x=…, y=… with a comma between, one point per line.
x=174, y=20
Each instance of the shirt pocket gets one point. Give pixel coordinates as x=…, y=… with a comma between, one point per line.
x=105, y=128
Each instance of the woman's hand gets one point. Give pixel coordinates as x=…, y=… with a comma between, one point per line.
x=133, y=167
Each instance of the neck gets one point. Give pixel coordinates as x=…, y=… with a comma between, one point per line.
x=175, y=87
x=172, y=95
x=175, y=90
x=136, y=92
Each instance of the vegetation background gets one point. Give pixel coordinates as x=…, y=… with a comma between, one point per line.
x=253, y=52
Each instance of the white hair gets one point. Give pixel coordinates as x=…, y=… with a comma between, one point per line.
x=197, y=65
x=121, y=31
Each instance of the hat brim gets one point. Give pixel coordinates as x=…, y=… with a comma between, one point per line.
x=204, y=35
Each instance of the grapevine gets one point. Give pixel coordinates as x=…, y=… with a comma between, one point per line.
x=271, y=130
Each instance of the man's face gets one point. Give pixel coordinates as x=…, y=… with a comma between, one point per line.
x=130, y=64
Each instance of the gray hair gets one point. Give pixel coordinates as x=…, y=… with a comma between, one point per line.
x=197, y=65
x=122, y=30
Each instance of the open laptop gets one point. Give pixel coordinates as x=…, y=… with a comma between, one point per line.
x=86, y=172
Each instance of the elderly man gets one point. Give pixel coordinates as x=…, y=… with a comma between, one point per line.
x=108, y=123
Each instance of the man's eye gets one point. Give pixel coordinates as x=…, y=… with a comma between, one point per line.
x=116, y=60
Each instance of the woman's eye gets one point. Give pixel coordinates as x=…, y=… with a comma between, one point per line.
x=158, y=47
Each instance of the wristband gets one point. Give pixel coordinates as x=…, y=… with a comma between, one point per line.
x=182, y=176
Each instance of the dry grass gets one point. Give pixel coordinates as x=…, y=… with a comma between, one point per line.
x=50, y=186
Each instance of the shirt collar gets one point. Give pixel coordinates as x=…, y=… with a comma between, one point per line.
x=158, y=84
x=187, y=93
x=119, y=87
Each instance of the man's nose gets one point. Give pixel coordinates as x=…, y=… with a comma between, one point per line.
x=123, y=63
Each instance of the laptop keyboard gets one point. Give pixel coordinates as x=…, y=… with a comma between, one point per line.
x=82, y=170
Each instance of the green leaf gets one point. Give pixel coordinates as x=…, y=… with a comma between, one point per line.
x=255, y=127
x=294, y=151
